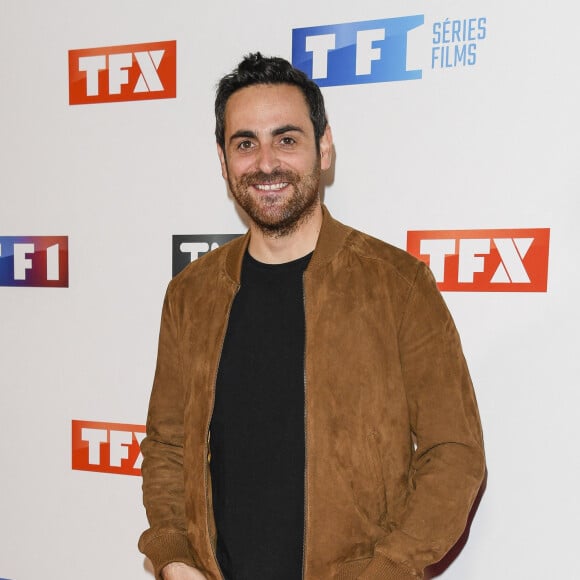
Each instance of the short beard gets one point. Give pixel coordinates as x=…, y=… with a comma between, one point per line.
x=296, y=210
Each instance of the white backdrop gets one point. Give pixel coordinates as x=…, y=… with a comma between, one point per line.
x=493, y=145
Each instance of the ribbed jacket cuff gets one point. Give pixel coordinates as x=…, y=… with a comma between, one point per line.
x=385, y=569
x=167, y=548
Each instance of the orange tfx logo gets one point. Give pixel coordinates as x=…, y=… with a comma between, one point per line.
x=503, y=260
x=107, y=447
x=132, y=72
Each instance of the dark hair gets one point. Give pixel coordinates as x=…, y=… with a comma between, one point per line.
x=256, y=69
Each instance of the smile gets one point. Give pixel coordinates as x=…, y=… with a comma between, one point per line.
x=271, y=186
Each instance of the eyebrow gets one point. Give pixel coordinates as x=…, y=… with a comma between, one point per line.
x=247, y=134
x=286, y=129
x=243, y=134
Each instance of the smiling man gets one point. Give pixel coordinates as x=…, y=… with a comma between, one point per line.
x=272, y=161
x=312, y=414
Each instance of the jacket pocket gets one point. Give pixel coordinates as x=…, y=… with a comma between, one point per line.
x=352, y=569
x=370, y=491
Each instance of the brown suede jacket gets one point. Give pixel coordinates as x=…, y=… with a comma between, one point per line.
x=394, y=451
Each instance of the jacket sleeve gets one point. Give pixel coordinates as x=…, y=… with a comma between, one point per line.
x=162, y=468
x=448, y=464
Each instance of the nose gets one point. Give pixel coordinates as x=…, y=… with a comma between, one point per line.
x=267, y=159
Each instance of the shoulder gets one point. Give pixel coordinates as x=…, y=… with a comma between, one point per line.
x=208, y=268
x=387, y=257
x=404, y=279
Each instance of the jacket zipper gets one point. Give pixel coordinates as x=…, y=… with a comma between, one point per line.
x=207, y=433
x=305, y=440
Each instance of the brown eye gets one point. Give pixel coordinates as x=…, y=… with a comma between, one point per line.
x=245, y=145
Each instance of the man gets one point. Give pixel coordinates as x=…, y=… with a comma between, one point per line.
x=312, y=415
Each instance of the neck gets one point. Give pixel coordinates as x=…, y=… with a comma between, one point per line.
x=302, y=241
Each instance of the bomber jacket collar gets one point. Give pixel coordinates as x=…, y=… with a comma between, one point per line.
x=332, y=237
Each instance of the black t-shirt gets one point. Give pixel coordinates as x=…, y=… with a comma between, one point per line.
x=257, y=428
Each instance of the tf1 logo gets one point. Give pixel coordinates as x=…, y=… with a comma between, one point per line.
x=34, y=261
x=132, y=72
x=373, y=51
x=187, y=248
x=503, y=260
x=107, y=447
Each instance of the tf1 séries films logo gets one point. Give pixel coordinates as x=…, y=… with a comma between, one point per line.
x=386, y=50
x=372, y=51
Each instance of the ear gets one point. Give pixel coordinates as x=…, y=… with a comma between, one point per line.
x=326, y=149
x=223, y=163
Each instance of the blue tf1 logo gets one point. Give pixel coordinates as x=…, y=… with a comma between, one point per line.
x=34, y=261
x=373, y=51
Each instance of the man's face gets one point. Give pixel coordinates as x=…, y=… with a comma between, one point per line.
x=270, y=159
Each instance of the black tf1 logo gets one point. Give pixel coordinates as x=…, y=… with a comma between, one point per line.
x=188, y=248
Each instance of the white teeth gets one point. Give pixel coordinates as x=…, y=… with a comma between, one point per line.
x=270, y=186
